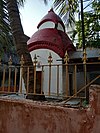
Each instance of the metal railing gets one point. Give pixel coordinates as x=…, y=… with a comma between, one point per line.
x=53, y=80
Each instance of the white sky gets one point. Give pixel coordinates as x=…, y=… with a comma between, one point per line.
x=31, y=14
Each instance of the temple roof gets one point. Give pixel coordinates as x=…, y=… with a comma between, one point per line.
x=51, y=16
x=51, y=38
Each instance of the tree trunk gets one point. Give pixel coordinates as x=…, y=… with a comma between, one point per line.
x=20, y=40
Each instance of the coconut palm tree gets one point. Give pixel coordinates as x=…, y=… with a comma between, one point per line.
x=20, y=40
x=5, y=30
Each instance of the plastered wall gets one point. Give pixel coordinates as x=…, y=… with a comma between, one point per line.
x=25, y=116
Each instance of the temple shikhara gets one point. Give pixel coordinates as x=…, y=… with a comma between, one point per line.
x=50, y=40
x=51, y=35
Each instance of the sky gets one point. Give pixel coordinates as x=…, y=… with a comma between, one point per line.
x=31, y=14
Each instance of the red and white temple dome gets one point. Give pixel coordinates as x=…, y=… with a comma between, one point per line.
x=51, y=35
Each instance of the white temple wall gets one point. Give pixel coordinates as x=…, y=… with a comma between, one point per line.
x=42, y=57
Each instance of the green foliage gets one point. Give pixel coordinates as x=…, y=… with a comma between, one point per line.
x=6, y=39
x=5, y=30
x=91, y=26
x=66, y=10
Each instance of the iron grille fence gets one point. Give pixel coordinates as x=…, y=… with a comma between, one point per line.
x=54, y=80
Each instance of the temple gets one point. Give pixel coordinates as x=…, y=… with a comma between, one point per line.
x=52, y=40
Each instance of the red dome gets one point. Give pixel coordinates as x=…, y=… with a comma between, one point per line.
x=52, y=39
x=51, y=16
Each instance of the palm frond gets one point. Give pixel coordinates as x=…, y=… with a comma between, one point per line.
x=20, y=2
x=5, y=30
x=66, y=10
